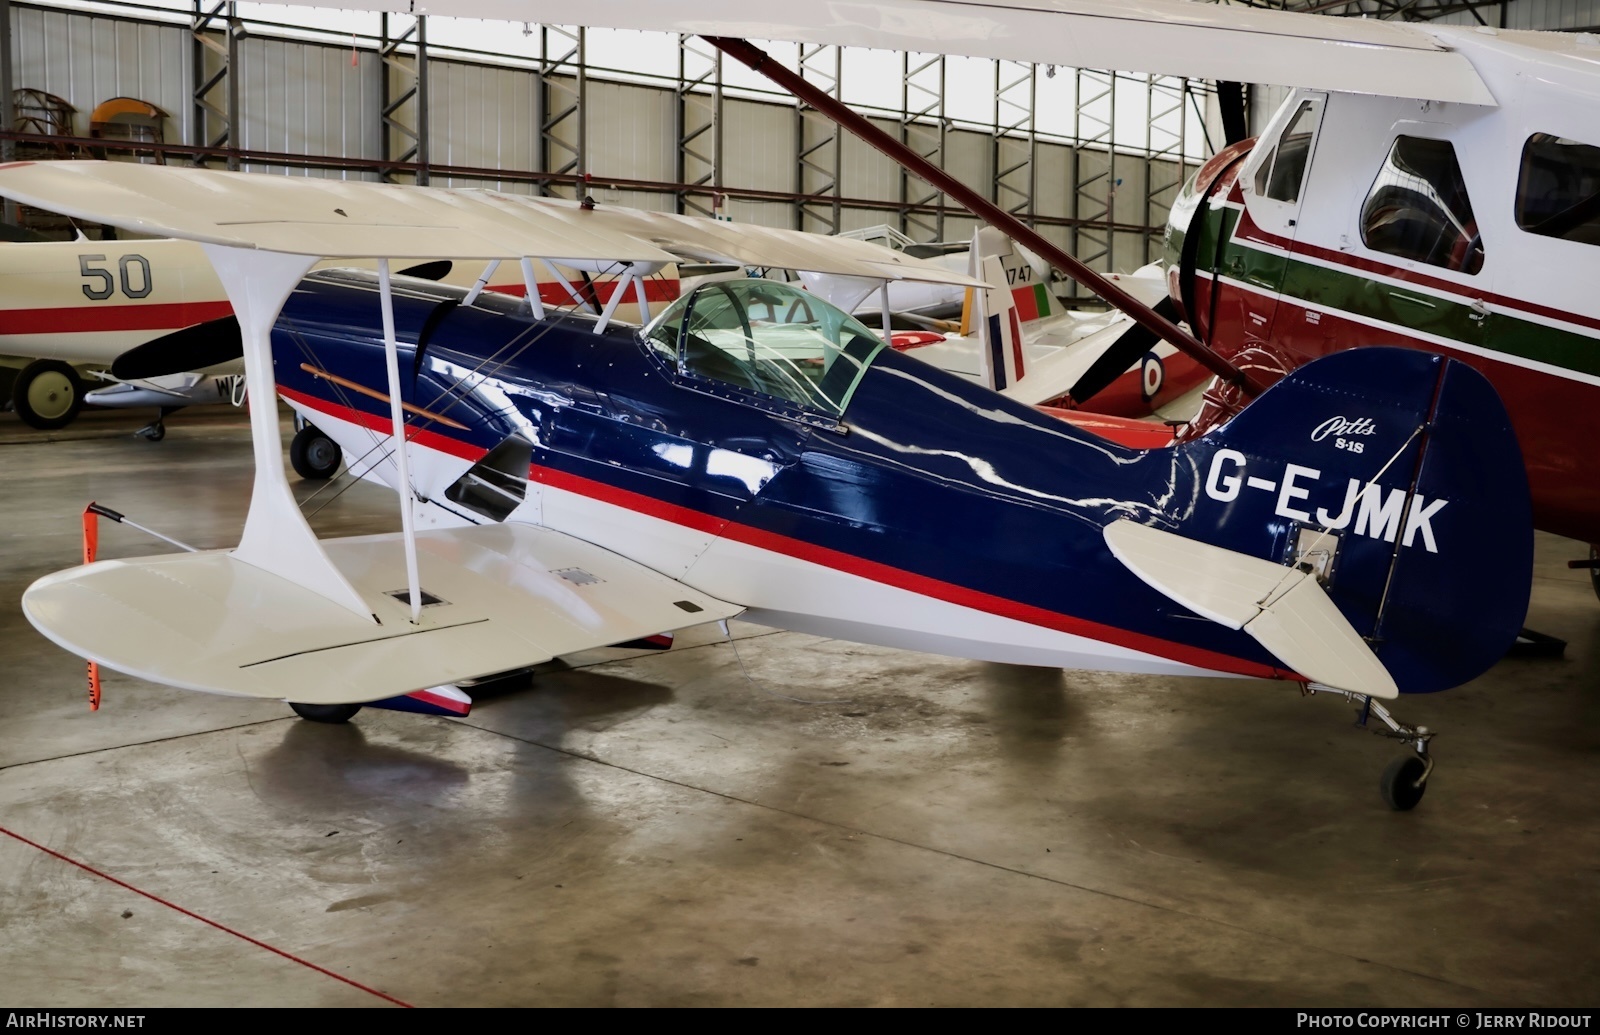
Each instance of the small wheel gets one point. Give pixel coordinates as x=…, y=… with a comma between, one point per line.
x=47, y=394
x=313, y=455
x=330, y=713
x=1400, y=785
x=1594, y=573
x=154, y=432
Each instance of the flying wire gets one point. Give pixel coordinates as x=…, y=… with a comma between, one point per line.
x=771, y=693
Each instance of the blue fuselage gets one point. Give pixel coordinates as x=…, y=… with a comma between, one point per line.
x=928, y=483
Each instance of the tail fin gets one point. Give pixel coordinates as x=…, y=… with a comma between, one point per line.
x=1025, y=275
x=997, y=327
x=1394, y=476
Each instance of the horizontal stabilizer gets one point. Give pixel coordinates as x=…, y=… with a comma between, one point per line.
x=1284, y=608
x=498, y=598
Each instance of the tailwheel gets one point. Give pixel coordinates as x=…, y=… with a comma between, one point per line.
x=329, y=713
x=156, y=430
x=1594, y=568
x=1406, y=778
x=1404, y=781
x=313, y=455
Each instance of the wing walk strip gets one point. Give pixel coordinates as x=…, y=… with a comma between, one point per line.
x=358, y=643
x=191, y=914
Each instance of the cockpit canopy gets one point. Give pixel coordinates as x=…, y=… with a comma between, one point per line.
x=769, y=338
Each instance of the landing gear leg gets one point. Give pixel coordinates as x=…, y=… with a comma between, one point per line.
x=1406, y=778
x=156, y=430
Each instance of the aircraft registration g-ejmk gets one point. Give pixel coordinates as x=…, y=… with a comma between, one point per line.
x=567, y=482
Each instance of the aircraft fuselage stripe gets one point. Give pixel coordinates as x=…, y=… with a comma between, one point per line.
x=83, y=319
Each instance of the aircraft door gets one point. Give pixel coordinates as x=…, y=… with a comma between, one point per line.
x=1272, y=188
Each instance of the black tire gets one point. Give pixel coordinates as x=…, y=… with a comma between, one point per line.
x=47, y=395
x=155, y=433
x=313, y=455
x=1594, y=573
x=1399, y=785
x=330, y=713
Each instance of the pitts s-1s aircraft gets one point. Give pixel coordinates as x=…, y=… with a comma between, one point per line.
x=566, y=482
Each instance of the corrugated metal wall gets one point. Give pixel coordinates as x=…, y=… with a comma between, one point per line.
x=309, y=98
x=1534, y=14
x=88, y=60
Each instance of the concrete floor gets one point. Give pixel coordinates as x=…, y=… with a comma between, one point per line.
x=657, y=830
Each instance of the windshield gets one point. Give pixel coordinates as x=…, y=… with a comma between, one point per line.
x=769, y=338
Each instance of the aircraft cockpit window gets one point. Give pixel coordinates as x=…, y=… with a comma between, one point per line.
x=768, y=338
x=1283, y=171
x=1418, y=207
x=1558, y=190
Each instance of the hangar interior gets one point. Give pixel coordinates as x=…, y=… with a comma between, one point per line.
x=756, y=817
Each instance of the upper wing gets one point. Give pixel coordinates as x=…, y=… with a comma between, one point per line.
x=508, y=596
x=1167, y=37
x=354, y=219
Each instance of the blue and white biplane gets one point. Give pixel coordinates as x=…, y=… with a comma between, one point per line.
x=567, y=482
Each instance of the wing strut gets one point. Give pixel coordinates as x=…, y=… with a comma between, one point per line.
x=482, y=282
x=620, y=292
x=986, y=210
x=397, y=415
x=530, y=284
x=276, y=537
x=644, y=303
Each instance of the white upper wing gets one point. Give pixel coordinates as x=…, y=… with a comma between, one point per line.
x=355, y=219
x=1167, y=37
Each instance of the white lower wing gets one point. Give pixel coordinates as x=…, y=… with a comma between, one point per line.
x=508, y=596
x=1284, y=608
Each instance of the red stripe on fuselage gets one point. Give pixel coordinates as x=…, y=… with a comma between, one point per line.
x=83, y=319
x=826, y=557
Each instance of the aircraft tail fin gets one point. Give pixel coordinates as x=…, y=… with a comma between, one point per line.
x=992, y=315
x=1392, y=478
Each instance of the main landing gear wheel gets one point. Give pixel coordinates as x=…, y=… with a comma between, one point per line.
x=1404, y=781
x=329, y=713
x=1594, y=572
x=313, y=455
x=48, y=395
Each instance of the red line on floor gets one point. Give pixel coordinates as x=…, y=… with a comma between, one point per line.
x=204, y=919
